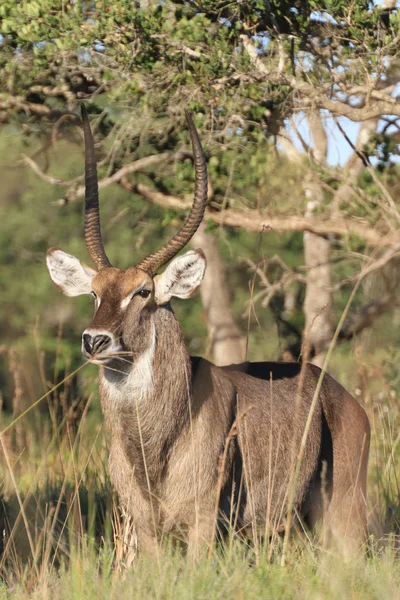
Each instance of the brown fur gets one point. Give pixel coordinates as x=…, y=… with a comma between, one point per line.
x=166, y=449
x=191, y=441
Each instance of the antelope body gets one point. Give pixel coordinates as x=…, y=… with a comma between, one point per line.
x=190, y=441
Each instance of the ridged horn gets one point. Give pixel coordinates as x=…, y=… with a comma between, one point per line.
x=93, y=240
x=189, y=228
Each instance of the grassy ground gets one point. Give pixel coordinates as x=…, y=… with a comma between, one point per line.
x=62, y=535
x=235, y=574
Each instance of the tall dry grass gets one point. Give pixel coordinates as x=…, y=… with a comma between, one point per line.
x=63, y=534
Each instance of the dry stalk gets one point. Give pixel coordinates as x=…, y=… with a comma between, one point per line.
x=233, y=432
x=309, y=419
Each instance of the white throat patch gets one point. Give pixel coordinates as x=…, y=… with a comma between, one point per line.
x=138, y=383
x=142, y=371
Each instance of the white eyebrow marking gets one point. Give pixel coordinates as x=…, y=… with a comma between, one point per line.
x=125, y=301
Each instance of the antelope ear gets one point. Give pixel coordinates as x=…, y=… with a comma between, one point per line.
x=68, y=273
x=181, y=278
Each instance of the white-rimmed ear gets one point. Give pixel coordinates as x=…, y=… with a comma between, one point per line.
x=181, y=278
x=68, y=273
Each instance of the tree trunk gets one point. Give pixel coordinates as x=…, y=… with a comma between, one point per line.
x=317, y=301
x=228, y=345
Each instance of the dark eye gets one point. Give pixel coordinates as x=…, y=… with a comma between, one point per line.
x=93, y=294
x=144, y=293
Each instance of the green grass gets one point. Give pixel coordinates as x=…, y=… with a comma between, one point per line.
x=63, y=532
x=238, y=573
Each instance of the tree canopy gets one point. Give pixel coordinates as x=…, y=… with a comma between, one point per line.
x=248, y=71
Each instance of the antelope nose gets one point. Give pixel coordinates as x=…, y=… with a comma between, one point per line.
x=96, y=343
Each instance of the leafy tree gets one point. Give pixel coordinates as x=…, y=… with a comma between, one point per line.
x=246, y=70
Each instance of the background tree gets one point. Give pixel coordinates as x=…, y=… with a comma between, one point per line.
x=250, y=72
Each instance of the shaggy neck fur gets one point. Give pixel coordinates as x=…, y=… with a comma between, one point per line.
x=148, y=404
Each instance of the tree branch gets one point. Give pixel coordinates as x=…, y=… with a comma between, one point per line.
x=377, y=103
x=35, y=167
x=250, y=220
x=336, y=107
x=137, y=165
x=365, y=159
x=367, y=315
x=73, y=194
x=19, y=103
x=253, y=220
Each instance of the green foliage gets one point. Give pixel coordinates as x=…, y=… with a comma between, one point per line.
x=141, y=64
x=193, y=48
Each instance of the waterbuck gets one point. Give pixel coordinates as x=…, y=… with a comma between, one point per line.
x=194, y=446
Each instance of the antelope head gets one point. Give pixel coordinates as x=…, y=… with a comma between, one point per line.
x=125, y=300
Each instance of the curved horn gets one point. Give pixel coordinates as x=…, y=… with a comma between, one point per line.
x=189, y=228
x=93, y=239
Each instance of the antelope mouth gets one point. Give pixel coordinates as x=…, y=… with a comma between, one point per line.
x=100, y=348
x=106, y=355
